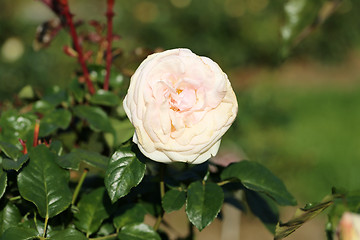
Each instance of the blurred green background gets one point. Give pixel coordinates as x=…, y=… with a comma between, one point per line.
x=299, y=101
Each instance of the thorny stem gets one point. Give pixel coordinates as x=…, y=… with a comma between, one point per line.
x=78, y=187
x=162, y=193
x=69, y=21
x=109, y=15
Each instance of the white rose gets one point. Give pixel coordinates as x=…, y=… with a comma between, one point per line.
x=181, y=105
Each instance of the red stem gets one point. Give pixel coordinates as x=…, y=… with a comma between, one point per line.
x=36, y=133
x=66, y=12
x=23, y=144
x=109, y=16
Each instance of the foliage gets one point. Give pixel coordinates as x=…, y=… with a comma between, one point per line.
x=69, y=137
x=251, y=31
x=70, y=171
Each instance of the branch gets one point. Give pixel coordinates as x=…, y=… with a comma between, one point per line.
x=65, y=11
x=109, y=15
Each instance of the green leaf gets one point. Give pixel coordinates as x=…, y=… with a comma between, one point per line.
x=152, y=207
x=17, y=158
x=124, y=172
x=173, y=200
x=58, y=118
x=106, y=98
x=44, y=183
x=92, y=211
x=56, y=96
x=98, y=72
x=42, y=106
x=68, y=234
x=302, y=215
x=138, y=232
x=123, y=131
x=129, y=214
x=16, y=126
x=95, y=116
x=56, y=147
x=19, y=233
x=10, y=150
x=77, y=90
x=256, y=177
x=72, y=160
x=38, y=224
x=9, y=217
x=26, y=92
x=9, y=164
x=106, y=229
x=3, y=182
x=264, y=208
x=203, y=203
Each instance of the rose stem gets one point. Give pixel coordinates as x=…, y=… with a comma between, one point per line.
x=36, y=133
x=45, y=225
x=23, y=144
x=162, y=193
x=66, y=12
x=226, y=182
x=78, y=187
x=109, y=15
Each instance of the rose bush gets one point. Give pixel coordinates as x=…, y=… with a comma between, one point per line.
x=181, y=105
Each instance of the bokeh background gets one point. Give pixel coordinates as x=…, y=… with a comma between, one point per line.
x=295, y=66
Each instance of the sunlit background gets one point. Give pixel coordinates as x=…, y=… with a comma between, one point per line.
x=298, y=91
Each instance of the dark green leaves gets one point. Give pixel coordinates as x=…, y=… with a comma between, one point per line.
x=10, y=150
x=55, y=96
x=68, y=234
x=129, y=214
x=95, y=116
x=16, y=157
x=173, y=200
x=3, y=182
x=9, y=217
x=258, y=178
x=106, y=98
x=92, y=211
x=19, y=233
x=58, y=118
x=97, y=74
x=123, y=130
x=44, y=183
x=124, y=172
x=16, y=164
x=204, y=201
x=72, y=160
x=138, y=232
x=264, y=208
x=15, y=126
